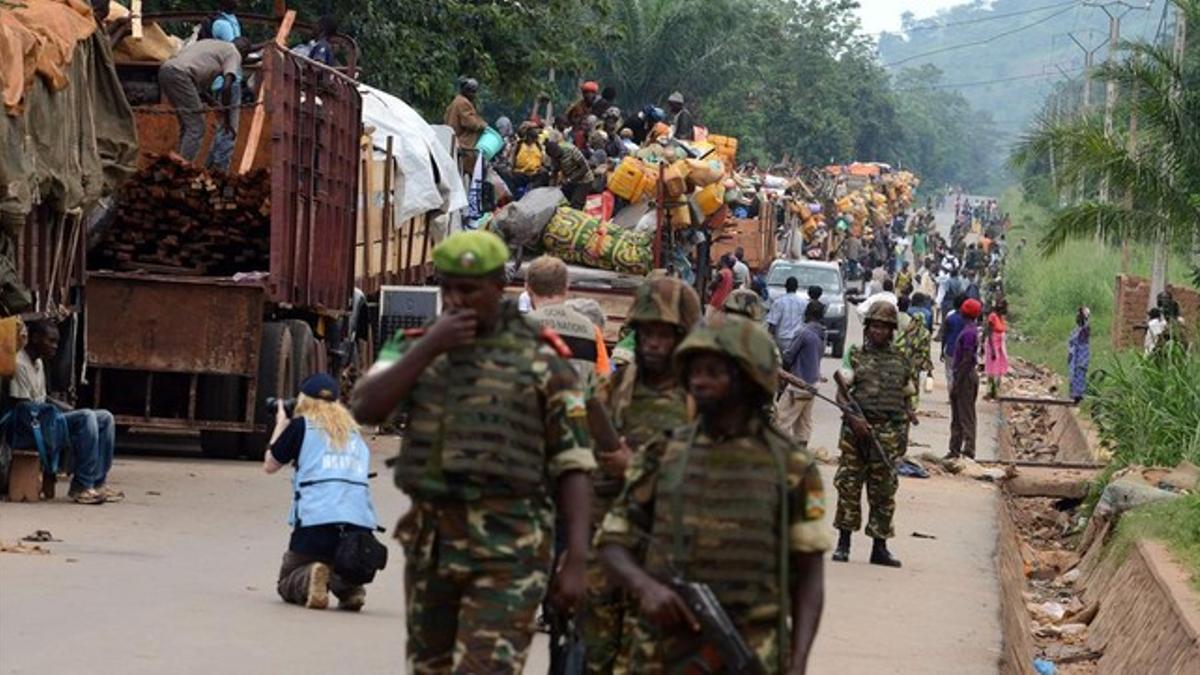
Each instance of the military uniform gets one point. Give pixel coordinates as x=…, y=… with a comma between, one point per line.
x=725, y=511
x=913, y=342
x=641, y=414
x=880, y=383
x=491, y=427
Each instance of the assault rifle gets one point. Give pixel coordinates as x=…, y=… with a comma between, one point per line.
x=568, y=654
x=850, y=408
x=724, y=648
x=606, y=439
x=733, y=654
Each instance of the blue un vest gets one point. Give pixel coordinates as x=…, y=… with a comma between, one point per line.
x=331, y=486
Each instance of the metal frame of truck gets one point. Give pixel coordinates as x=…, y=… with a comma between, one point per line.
x=191, y=353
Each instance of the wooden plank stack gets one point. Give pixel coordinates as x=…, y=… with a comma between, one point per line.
x=173, y=217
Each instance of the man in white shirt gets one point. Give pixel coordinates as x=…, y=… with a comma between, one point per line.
x=741, y=271
x=92, y=432
x=887, y=295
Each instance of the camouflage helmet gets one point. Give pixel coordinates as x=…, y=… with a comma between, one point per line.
x=882, y=312
x=747, y=303
x=665, y=299
x=744, y=341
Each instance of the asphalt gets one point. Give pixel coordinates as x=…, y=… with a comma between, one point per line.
x=180, y=577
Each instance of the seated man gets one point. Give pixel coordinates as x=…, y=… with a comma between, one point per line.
x=92, y=432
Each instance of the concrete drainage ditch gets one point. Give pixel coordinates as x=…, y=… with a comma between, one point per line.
x=1067, y=599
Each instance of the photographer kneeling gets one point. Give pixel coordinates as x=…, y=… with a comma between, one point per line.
x=332, y=547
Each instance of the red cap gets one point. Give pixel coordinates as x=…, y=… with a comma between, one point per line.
x=589, y=86
x=972, y=308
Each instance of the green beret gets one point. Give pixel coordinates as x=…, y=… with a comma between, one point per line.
x=473, y=253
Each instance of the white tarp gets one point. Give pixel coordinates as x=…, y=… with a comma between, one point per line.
x=417, y=150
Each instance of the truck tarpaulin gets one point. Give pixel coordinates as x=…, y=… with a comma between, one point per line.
x=69, y=146
x=419, y=187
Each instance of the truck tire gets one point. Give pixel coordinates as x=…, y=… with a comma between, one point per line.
x=221, y=399
x=305, y=359
x=276, y=379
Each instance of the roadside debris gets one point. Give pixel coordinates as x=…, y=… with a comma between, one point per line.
x=23, y=548
x=40, y=535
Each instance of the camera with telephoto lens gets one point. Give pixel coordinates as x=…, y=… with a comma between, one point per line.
x=289, y=405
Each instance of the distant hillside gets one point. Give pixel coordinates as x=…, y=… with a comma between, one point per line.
x=1021, y=42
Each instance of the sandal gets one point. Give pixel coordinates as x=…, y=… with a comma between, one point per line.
x=87, y=496
x=111, y=494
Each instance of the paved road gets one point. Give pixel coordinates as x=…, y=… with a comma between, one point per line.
x=180, y=579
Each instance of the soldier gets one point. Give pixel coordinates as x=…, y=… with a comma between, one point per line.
x=747, y=303
x=913, y=342
x=497, y=429
x=647, y=401
x=877, y=378
x=728, y=501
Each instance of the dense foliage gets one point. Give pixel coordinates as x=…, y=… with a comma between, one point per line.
x=792, y=79
x=1154, y=177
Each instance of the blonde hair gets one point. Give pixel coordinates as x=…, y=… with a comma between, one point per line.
x=331, y=416
x=547, y=277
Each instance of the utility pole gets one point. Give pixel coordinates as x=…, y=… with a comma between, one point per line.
x=1089, y=60
x=1158, y=274
x=1115, y=10
x=1064, y=193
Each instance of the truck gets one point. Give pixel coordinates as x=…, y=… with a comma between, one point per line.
x=179, y=353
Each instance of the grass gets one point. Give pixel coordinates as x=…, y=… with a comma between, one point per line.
x=1146, y=410
x=1176, y=522
x=1044, y=293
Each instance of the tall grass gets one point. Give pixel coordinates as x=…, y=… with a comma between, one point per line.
x=1044, y=293
x=1147, y=409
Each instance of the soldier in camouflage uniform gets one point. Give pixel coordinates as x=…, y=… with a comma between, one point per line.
x=646, y=401
x=747, y=303
x=497, y=431
x=878, y=379
x=728, y=501
x=913, y=342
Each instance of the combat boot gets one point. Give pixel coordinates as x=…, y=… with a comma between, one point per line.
x=842, y=552
x=880, y=555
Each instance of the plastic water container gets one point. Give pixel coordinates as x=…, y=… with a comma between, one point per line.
x=710, y=199
x=628, y=179
x=490, y=143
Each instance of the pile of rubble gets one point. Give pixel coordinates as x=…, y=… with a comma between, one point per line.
x=1031, y=426
x=1058, y=613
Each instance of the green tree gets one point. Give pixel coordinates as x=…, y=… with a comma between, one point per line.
x=1155, y=182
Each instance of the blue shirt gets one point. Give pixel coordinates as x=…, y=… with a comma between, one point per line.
x=954, y=325
x=787, y=318
x=803, y=356
x=226, y=27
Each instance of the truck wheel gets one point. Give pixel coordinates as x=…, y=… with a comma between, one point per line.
x=276, y=379
x=221, y=399
x=305, y=360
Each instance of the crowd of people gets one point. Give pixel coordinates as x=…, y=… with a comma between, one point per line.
x=575, y=150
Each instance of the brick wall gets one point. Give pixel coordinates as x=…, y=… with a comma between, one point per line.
x=1129, y=309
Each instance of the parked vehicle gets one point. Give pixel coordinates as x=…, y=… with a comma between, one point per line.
x=827, y=275
x=191, y=353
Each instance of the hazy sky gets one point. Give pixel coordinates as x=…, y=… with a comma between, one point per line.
x=881, y=15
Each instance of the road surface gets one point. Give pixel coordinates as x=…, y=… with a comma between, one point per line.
x=180, y=578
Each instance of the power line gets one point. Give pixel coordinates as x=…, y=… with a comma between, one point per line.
x=966, y=22
x=993, y=38
x=980, y=83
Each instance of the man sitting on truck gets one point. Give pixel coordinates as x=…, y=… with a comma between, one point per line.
x=204, y=69
x=92, y=432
